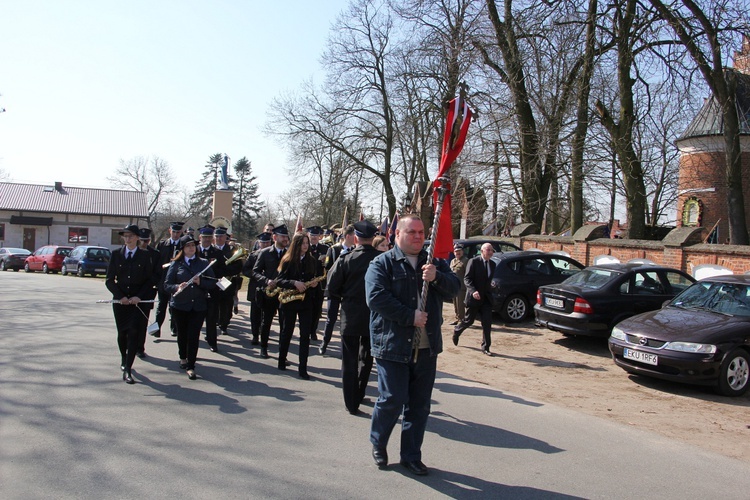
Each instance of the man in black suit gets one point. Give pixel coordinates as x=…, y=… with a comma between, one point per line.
x=265, y=272
x=319, y=251
x=332, y=311
x=263, y=241
x=167, y=248
x=144, y=240
x=478, y=280
x=207, y=250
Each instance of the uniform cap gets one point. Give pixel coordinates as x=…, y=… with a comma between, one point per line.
x=220, y=231
x=144, y=233
x=314, y=230
x=207, y=230
x=281, y=230
x=176, y=226
x=365, y=229
x=264, y=237
x=188, y=238
x=130, y=228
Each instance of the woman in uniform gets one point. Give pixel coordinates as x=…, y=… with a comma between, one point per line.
x=188, y=300
x=298, y=271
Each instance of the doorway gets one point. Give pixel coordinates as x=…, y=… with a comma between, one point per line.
x=29, y=238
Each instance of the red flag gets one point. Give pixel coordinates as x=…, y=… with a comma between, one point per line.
x=361, y=215
x=456, y=128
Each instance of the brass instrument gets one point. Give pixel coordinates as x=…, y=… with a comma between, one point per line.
x=239, y=253
x=289, y=295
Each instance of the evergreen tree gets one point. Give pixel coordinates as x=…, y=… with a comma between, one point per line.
x=246, y=205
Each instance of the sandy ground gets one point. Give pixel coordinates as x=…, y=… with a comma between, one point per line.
x=578, y=373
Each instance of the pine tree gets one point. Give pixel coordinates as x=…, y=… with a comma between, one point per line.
x=246, y=204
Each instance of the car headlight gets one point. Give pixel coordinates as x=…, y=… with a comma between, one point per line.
x=690, y=347
x=618, y=334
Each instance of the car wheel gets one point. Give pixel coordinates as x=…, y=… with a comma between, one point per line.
x=45, y=269
x=26, y=268
x=2, y=266
x=64, y=270
x=734, y=374
x=515, y=309
x=80, y=271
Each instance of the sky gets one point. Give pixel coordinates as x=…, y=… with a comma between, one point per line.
x=87, y=83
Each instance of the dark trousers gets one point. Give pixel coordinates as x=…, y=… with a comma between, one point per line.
x=161, y=310
x=268, y=306
x=356, y=365
x=131, y=322
x=290, y=315
x=484, y=310
x=146, y=308
x=317, y=312
x=331, y=315
x=188, y=324
x=212, y=318
x=405, y=388
x=256, y=316
x=225, y=301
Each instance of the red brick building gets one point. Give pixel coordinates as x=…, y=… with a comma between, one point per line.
x=702, y=183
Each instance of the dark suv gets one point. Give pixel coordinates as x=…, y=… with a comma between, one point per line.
x=519, y=275
x=87, y=260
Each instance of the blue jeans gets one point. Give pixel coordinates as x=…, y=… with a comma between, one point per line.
x=405, y=388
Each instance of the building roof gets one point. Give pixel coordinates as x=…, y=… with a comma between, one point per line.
x=73, y=200
x=709, y=120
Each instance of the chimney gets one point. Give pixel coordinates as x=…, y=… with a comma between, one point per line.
x=58, y=187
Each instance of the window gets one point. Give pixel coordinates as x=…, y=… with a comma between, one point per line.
x=78, y=235
x=564, y=267
x=648, y=283
x=116, y=238
x=677, y=281
x=2, y=232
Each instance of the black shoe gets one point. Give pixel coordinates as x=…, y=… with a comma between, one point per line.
x=454, y=323
x=156, y=334
x=236, y=310
x=183, y=364
x=122, y=368
x=282, y=365
x=142, y=354
x=174, y=334
x=314, y=337
x=127, y=377
x=381, y=456
x=304, y=375
x=254, y=341
x=222, y=331
x=323, y=347
x=191, y=374
x=356, y=412
x=213, y=348
x=416, y=467
x=486, y=352
x=264, y=353
x=455, y=339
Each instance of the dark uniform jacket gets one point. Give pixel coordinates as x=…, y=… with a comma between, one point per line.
x=167, y=250
x=266, y=267
x=247, y=270
x=306, y=271
x=134, y=278
x=156, y=270
x=346, y=279
x=192, y=298
x=221, y=268
x=477, y=280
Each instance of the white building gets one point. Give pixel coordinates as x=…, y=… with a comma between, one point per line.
x=34, y=215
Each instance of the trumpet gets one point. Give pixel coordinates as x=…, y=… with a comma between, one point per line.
x=286, y=296
x=239, y=253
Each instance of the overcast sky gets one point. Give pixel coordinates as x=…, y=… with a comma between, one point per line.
x=86, y=83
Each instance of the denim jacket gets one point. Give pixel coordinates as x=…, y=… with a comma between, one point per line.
x=393, y=288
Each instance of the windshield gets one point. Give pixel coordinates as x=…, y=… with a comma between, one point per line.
x=725, y=298
x=592, y=278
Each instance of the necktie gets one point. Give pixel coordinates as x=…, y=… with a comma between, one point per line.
x=129, y=256
x=487, y=267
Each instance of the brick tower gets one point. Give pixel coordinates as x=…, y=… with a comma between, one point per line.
x=702, y=184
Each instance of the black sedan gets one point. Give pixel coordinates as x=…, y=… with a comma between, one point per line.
x=701, y=337
x=596, y=299
x=13, y=258
x=518, y=275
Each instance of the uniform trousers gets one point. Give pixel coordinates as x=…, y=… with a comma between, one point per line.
x=146, y=308
x=131, y=322
x=212, y=317
x=188, y=324
x=483, y=309
x=256, y=316
x=161, y=310
x=269, y=306
x=290, y=314
x=356, y=365
x=225, y=301
x=405, y=388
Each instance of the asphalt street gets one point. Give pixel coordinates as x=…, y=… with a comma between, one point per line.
x=71, y=428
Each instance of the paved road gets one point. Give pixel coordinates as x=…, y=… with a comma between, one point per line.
x=70, y=428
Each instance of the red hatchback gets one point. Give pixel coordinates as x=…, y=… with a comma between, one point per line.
x=46, y=259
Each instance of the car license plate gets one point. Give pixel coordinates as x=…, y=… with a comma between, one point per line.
x=556, y=303
x=641, y=357
x=101, y=270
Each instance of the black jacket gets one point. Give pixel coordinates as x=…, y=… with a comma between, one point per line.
x=192, y=298
x=134, y=278
x=477, y=280
x=346, y=280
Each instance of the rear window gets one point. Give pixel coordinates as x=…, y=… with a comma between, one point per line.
x=98, y=253
x=592, y=278
x=63, y=251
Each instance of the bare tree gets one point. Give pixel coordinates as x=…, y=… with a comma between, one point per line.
x=150, y=175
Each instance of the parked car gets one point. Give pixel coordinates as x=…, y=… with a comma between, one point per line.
x=518, y=275
x=701, y=337
x=593, y=301
x=87, y=260
x=473, y=245
x=13, y=258
x=48, y=258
